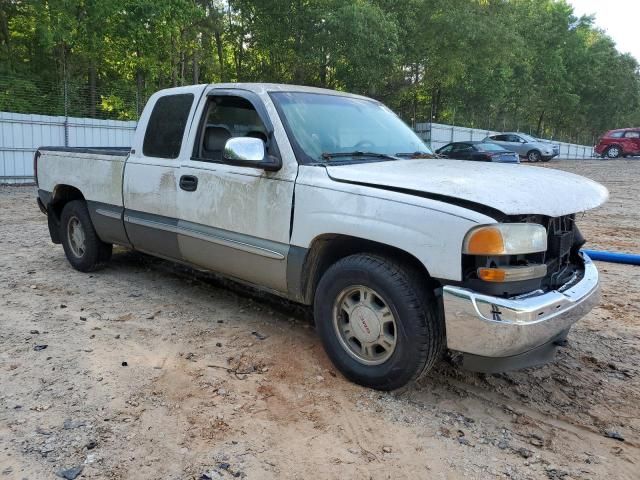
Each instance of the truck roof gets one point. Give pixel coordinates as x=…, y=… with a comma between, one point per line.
x=267, y=87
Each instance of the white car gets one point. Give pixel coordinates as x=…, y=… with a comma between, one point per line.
x=531, y=148
x=330, y=200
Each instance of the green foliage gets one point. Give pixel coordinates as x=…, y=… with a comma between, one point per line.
x=530, y=65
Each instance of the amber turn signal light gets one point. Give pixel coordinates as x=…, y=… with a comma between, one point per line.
x=512, y=274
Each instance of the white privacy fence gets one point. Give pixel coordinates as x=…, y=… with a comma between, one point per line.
x=21, y=135
x=438, y=135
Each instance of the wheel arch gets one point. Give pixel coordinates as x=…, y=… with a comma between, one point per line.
x=61, y=195
x=306, y=266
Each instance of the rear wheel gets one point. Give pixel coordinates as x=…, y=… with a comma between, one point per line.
x=378, y=321
x=84, y=250
x=534, y=156
x=614, y=152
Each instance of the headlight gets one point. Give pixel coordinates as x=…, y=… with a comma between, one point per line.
x=505, y=239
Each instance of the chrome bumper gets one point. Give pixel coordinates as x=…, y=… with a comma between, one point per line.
x=502, y=327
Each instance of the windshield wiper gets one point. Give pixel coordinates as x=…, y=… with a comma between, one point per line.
x=417, y=155
x=357, y=153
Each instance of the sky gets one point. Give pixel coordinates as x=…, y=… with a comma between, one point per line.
x=619, y=18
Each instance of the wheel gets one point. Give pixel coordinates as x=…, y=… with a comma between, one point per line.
x=613, y=152
x=84, y=250
x=534, y=156
x=378, y=321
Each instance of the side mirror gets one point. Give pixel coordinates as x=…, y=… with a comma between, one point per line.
x=250, y=152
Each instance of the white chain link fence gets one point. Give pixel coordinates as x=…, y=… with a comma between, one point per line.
x=21, y=135
x=438, y=135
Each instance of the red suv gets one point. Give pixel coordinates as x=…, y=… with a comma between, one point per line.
x=619, y=143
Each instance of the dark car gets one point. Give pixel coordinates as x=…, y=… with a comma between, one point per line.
x=619, y=143
x=478, y=151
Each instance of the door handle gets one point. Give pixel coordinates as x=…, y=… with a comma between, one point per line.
x=189, y=183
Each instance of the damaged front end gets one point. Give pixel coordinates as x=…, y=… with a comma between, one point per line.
x=499, y=326
x=557, y=266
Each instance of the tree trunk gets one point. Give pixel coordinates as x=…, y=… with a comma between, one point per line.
x=92, y=90
x=196, y=67
x=4, y=34
x=540, y=120
x=183, y=61
x=298, y=73
x=139, y=90
x=174, y=63
x=218, y=37
x=323, y=70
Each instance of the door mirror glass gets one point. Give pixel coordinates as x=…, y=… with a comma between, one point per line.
x=244, y=149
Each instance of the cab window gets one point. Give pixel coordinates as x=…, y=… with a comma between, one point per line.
x=165, y=129
x=228, y=117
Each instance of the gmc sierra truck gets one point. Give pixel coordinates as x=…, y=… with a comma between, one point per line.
x=329, y=199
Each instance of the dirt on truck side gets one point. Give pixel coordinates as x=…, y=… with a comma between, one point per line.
x=150, y=370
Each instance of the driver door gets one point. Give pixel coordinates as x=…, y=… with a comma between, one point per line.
x=234, y=219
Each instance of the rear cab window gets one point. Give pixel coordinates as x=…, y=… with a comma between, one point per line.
x=616, y=134
x=166, y=126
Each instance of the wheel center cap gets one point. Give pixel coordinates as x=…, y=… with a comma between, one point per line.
x=365, y=324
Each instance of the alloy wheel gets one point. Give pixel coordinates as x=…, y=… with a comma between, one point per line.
x=365, y=325
x=76, y=236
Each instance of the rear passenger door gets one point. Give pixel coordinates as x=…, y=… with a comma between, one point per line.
x=235, y=219
x=501, y=140
x=462, y=151
x=514, y=143
x=151, y=175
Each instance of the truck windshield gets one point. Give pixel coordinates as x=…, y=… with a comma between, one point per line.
x=330, y=128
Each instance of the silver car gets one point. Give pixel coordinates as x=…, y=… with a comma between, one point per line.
x=533, y=149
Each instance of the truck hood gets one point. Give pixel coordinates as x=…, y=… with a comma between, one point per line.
x=510, y=189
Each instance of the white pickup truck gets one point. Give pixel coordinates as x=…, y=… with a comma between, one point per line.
x=330, y=200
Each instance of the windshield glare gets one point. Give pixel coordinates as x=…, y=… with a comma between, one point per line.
x=490, y=147
x=333, y=124
x=528, y=138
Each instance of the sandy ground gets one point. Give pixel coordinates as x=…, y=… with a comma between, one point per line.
x=219, y=383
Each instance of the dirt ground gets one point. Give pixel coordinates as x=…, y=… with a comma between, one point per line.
x=153, y=371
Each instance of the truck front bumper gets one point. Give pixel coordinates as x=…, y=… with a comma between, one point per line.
x=497, y=334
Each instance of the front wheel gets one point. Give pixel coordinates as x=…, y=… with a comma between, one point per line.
x=84, y=250
x=378, y=321
x=534, y=156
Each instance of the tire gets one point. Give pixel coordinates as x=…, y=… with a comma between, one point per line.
x=414, y=322
x=613, y=152
x=84, y=250
x=534, y=156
